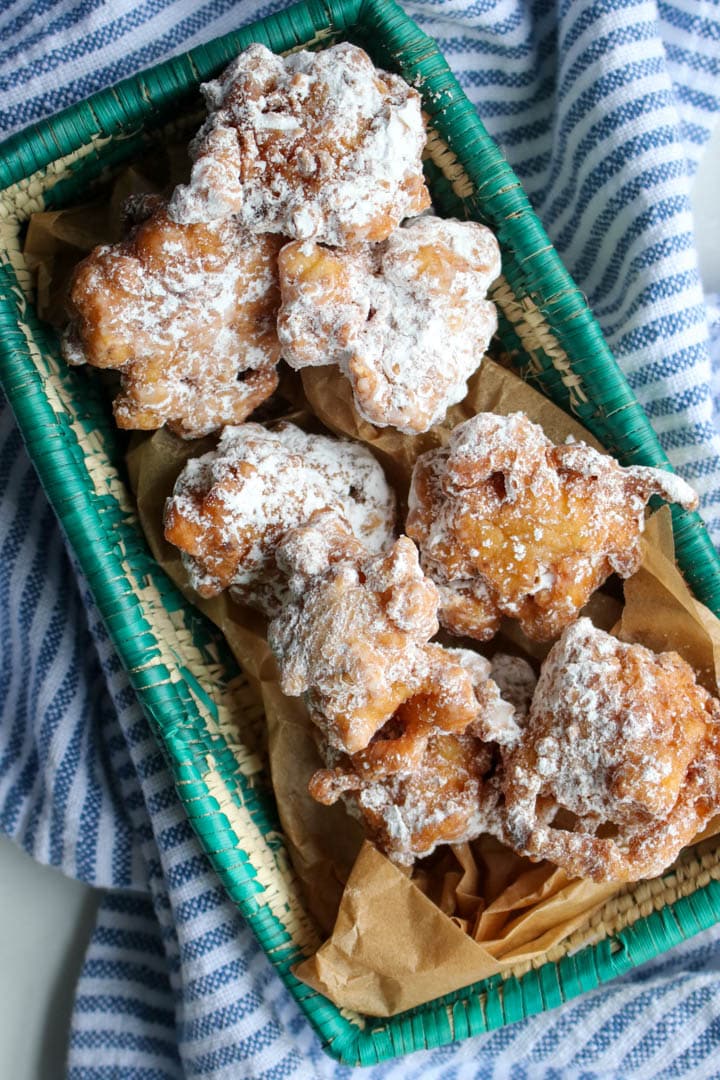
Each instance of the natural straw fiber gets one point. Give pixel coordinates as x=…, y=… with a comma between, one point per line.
x=179, y=665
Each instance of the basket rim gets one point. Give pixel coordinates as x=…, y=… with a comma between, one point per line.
x=471, y=1010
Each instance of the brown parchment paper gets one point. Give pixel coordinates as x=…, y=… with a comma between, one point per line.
x=472, y=910
x=661, y=612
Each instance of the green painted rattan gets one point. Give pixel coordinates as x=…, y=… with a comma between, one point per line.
x=53, y=164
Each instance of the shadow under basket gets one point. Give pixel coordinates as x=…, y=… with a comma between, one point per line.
x=185, y=678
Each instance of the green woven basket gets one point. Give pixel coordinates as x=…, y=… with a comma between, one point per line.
x=178, y=664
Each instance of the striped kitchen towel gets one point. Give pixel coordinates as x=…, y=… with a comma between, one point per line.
x=603, y=109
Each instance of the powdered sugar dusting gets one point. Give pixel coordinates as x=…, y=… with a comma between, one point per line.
x=418, y=785
x=618, y=736
x=509, y=524
x=339, y=640
x=407, y=321
x=232, y=507
x=187, y=315
x=315, y=144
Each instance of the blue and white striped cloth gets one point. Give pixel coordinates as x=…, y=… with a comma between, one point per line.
x=603, y=109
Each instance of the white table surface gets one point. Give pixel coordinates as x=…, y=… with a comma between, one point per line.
x=45, y=919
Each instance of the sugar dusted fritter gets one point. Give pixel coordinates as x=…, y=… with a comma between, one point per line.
x=186, y=314
x=407, y=321
x=436, y=796
x=626, y=741
x=420, y=782
x=509, y=524
x=352, y=637
x=317, y=144
x=231, y=507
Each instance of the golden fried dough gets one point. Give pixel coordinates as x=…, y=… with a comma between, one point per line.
x=407, y=321
x=231, y=507
x=509, y=524
x=352, y=637
x=316, y=144
x=186, y=314
x=420, y=781
x=436, y=797
x=626, y=741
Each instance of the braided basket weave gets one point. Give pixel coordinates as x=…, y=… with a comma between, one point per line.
x=185, y=678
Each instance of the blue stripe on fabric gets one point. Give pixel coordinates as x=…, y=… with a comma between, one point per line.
x=695, y=24
x=107, y=1039
x=128, y=904
x=599, y=47
x=498, y=77
x=198, y=905
x=534, y=166
x=152, y=765
x=699, y=99
x=697, y=134
x=701, y=467
x=178, y=833
x=664, y=327
x=94, y=810
x=602, y=1039
x=663, y=288
x=130, y=940
x=477, y=10
x=161, y=800
x=624, y=114
x=673, y=403
x=57, y=26
x=22, y=18
x=646, y=222
x=110, y=1072
x=677, y=362
x=585, y=17
x=235, y=1053
x=14, y=729
x=709, y=499
x=120, y=1005
x=50, y=101
x=522, y=134
x=581, y=195
x=83, y=703
x=124, y=698
x=707, y=64
x=28, y=770
x=690, y=1061
x=541, y=52
x=106, y=35
x=152, y=978
x=286, y=1067
x=210, y=940
x=187, y=871
x=487, y=108
x=691, y=434
x=211, y=982
x=104, y=759
x=207, y=1025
